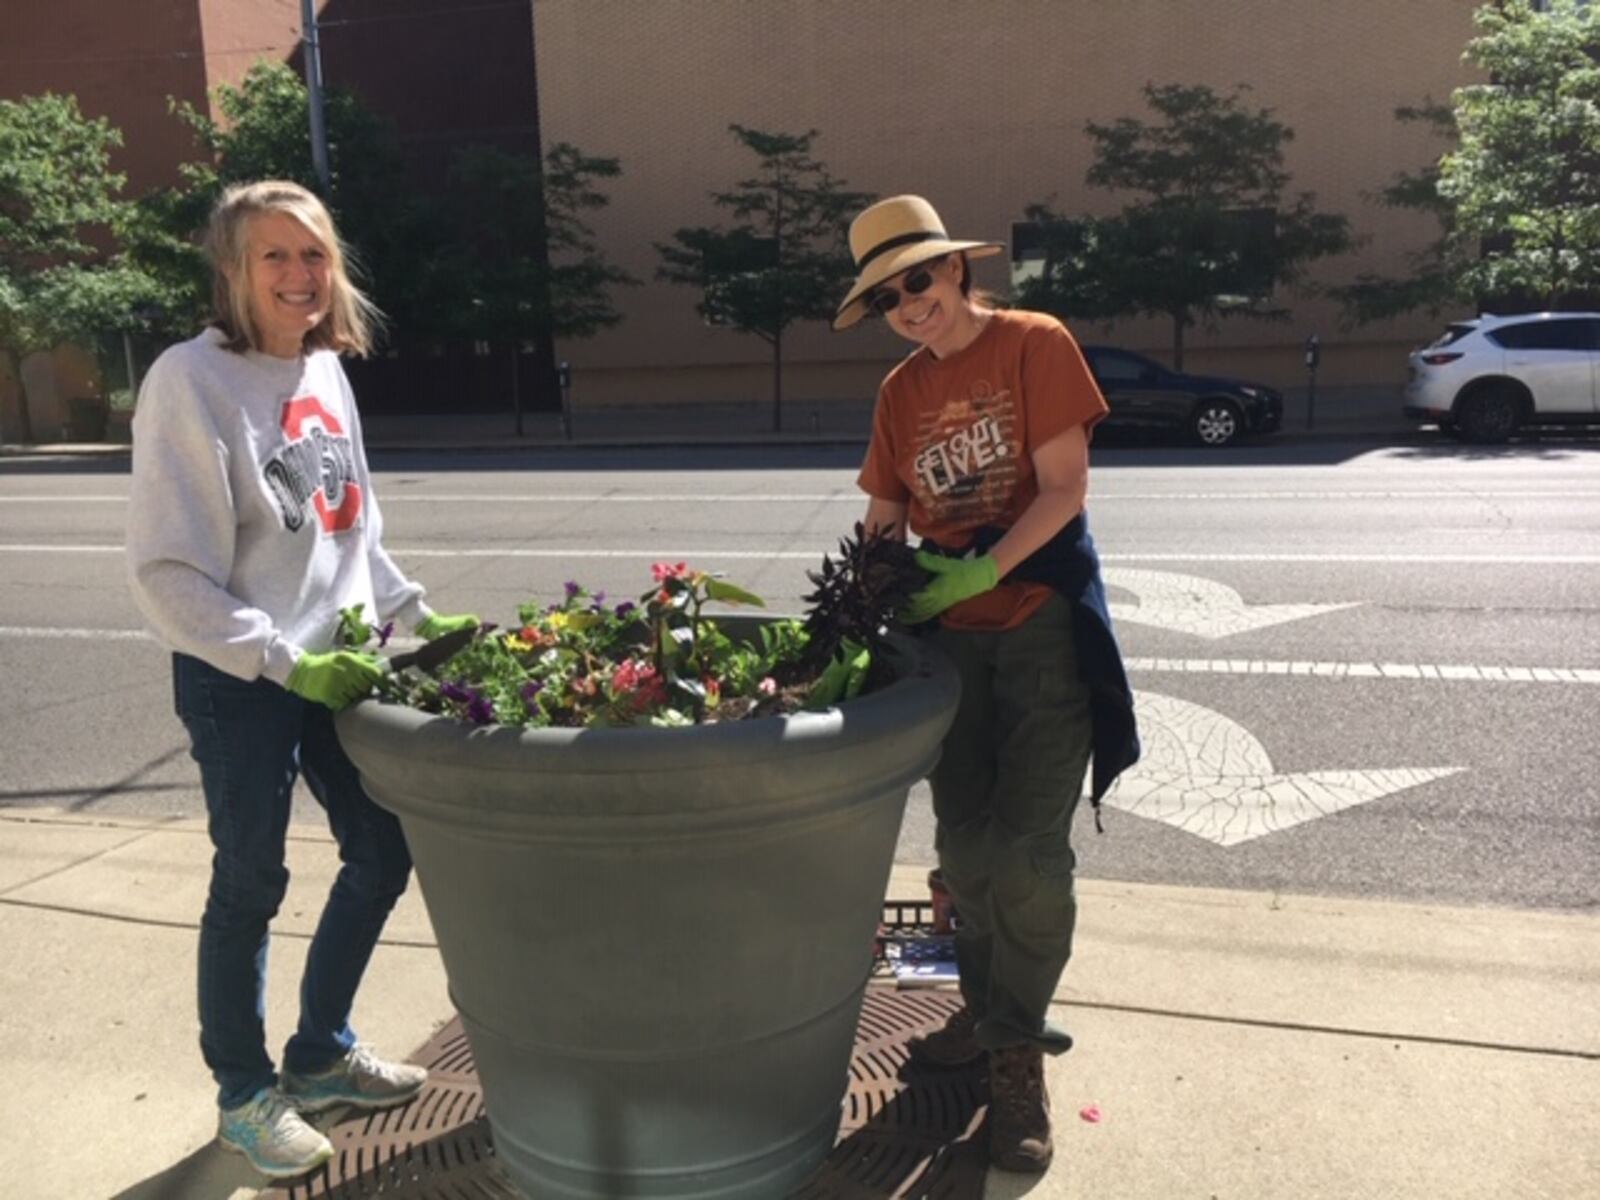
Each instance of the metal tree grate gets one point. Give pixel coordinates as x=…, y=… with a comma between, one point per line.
x=905, y=1134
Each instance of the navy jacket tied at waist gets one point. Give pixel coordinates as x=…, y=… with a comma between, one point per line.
x=1069, y=564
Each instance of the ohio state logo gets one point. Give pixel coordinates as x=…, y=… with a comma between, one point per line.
x=318, y=465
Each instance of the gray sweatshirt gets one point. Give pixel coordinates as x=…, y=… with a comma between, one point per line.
x=252, y=519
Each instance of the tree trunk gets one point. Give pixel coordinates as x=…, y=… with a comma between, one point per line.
x=777, y=383
x=24, y=423
x=1178, y=323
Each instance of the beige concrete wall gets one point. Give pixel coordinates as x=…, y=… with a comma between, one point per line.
x=981, y=107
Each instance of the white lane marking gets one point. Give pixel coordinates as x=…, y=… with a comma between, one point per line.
x=658, y=554
x=1202, y=607
x=93, y=635
x=1449, y=673
x=1454, y=673
x=1208, y=775
x=391, y=497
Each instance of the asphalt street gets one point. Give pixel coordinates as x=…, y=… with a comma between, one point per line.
x=1363, y=670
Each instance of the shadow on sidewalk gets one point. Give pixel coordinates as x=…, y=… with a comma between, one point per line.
x=210, y=1173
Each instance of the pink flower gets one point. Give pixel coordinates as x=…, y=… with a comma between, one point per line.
x=639, y=683
x=768, y=686
x=661, y=572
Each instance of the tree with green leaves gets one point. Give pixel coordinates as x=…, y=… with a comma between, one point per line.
x=1211, y=233
x=783, y=259
x=1517, y=196
x=1525, y=178
x=502, y=207
x=263, y=133
x=1431, y=278
x=63, y=275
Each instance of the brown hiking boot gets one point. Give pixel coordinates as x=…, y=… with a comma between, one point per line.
x=1019, y=1110
x=954, y=1045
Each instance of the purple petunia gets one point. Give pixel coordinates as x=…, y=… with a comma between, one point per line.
x=626, y=607
x=385, y=634
x=479, y=710
x=572, y=589
x=531, y=690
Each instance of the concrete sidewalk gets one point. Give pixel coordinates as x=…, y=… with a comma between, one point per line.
x=1238, y=1045
x=1362, y=414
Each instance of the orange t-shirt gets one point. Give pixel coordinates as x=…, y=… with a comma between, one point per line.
x=953, y=439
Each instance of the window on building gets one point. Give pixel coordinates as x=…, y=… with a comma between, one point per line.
x=1039, y=247
x=1241, y=242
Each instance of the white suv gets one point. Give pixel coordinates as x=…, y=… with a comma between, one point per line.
x=1484, y=378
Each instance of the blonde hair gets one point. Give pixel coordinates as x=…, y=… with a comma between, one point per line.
x=351, y=319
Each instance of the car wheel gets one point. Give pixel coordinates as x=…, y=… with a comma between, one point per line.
x=1488, y=415
x=1215, y=423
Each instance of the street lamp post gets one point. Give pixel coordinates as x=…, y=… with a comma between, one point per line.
x=313, y=68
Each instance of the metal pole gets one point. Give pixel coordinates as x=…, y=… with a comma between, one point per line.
x=313, y=65
x=516, y=383
x=564, y=378
x=127, y=358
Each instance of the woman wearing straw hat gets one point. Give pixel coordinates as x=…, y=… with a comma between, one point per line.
x=980, y=447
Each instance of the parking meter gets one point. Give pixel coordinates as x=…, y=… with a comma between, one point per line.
x=564, y=381
x=1313, y=359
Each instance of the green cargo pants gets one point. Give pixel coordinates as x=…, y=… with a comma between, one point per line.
x=1004, y=792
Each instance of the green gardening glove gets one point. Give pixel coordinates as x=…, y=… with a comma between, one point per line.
x=435, y=625
x=954, y=580
x=337, y=679
x=843, y=677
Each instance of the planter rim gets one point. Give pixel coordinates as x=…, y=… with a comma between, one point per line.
x=875, y=738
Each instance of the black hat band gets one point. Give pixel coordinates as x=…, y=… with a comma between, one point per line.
x=894, y=243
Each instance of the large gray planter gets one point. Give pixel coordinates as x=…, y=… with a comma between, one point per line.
x=658, y=939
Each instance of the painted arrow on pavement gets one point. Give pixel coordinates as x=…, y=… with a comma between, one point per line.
x=1203, y=607
x=1206, y=774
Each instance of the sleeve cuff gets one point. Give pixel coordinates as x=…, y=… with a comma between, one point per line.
x=413, y=614
x=280, y=659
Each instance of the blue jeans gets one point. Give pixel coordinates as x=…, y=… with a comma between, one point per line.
x=252, y=740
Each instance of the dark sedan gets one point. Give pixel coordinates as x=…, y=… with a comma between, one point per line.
x=1213, y=411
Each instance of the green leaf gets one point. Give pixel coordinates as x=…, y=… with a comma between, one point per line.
x=728, y=593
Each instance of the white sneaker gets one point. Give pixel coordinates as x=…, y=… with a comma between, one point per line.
x=268, y=1131
x=360, y=1079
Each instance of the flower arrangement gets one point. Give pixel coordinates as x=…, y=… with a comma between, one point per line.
x=663, y=660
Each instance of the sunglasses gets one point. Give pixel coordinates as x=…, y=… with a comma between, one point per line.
x=883, y=300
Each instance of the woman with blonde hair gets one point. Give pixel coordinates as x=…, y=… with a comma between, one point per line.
x=980, y=445
x=252, y=522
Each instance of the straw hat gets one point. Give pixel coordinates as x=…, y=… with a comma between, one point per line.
x=895, y=235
